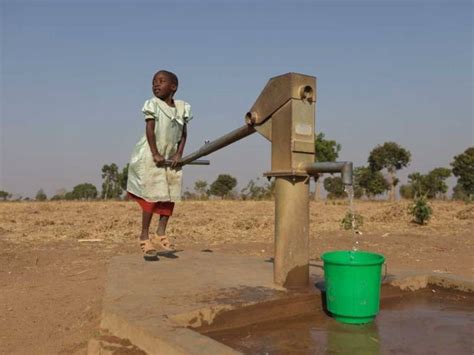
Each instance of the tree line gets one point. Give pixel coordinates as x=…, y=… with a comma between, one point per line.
x=377, y=178
x=113, y=186
x=379, y=175
x=223, y=188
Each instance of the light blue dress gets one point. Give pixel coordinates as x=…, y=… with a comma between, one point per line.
x=145, y=179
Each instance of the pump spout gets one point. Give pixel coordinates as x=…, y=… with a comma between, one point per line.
x=343, y=167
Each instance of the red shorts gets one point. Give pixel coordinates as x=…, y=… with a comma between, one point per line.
x=162, y=208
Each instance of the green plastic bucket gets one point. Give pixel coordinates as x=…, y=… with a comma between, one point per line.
x=353, y=281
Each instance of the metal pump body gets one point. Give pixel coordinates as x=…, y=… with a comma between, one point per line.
x=284, y=113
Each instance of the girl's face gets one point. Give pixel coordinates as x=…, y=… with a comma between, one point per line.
x=162, y=86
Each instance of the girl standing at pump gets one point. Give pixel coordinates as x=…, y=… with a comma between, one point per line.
x=154, y=173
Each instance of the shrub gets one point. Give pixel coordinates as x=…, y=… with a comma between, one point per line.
x=420, y=210
x=41, y=196
x=351, y=219
x=335, y=187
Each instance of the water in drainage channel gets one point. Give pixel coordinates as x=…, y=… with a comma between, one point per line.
x=431, y=320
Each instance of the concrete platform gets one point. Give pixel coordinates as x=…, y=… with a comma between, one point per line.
x=152, y=303
x=156, y=305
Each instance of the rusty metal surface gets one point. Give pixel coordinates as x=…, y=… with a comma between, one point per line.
x=302, y=133
x=291, y=265
x=265, y=129
x=219, y=143
x=278, y=91
x=292, y=136
x=343, y=167
x=194, y=162
x=281, y=138
x=287, y=173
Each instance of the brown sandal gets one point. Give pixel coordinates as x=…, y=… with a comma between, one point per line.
x=164, y=242
x=148, y=250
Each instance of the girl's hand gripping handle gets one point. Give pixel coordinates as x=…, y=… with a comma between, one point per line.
x=159, y=160
x=176, y=159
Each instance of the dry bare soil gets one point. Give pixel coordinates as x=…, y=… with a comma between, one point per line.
x=52, y=282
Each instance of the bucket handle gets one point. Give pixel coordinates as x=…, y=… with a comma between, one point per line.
x=386, y=272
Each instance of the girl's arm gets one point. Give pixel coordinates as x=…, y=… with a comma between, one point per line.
x=151, y=138
x=177, y=156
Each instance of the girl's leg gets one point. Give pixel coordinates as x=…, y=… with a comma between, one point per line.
x=165, y=210
x=162, y=225
x=162, y=239
x=146, y=220
x=149, y=251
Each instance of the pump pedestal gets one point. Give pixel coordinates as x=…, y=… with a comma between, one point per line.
x=291, y=263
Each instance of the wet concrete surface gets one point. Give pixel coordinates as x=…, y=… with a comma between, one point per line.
x=428, y=321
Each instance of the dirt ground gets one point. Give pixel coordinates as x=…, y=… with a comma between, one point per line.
x=52, y=281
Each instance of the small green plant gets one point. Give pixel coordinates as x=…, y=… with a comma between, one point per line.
x=420, y=210
x=352, y=220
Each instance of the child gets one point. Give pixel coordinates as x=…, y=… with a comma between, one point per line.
x=152, y=184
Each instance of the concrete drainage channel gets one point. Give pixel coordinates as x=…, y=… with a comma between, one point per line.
x=400, y=326
x=204, y=303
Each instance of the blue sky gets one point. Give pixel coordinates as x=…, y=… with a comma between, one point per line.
x=75, y=74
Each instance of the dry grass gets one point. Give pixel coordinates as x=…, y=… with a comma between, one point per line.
x=213, y=222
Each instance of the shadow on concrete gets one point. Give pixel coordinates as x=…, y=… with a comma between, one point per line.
x=169, y=254
x=149, y=258
x=321, y=286
x=271, y=260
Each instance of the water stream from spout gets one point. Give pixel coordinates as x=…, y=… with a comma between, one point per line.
x=349, y=189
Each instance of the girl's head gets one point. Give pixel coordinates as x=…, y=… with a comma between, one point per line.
x=164, y=84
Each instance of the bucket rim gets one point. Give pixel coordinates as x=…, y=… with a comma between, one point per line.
x=328, y=258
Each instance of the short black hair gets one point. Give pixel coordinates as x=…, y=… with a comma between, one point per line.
x=170, y=75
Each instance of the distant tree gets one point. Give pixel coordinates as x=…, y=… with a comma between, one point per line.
x=326, y=150
x=84, y=191
x=459, y=193
x=369, y=182
x=61, y=192
x=392, y=157
x=406, y=191
x=335, y=187
x=437, y=182
x=200, y=186
x=187, y=195
x=69, y=196
x=59, y=195
x=463, y=169
x=123, y=177
x=415, y=185
x=270, y=189
x=430, y=185
x=358, y=190
x=111, y=186
x=223, y=185
x=41, y=196
x=5, y=195
x=253, y=191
